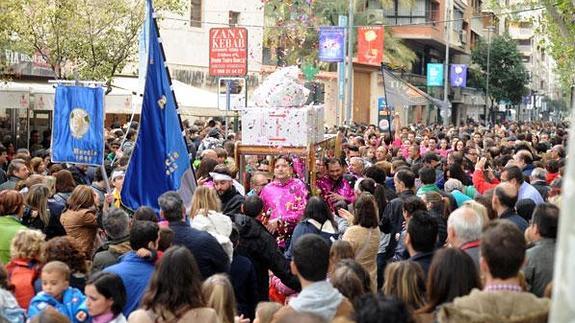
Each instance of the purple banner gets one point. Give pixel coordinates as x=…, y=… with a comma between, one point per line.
x=458, y=75
x=331, y=44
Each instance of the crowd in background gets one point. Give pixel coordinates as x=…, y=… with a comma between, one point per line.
x=422, y=224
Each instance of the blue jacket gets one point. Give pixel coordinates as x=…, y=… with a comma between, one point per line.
x=135, y=273
x=209, y=254
x=70, y=305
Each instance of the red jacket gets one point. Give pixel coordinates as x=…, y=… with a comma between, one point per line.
x=481, y=184
x=22, y=273
x=550, y=177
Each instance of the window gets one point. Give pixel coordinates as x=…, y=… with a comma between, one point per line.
x=525, y=42
x=196, y=13
x=234, y=18
x=402, y=12
x=457, y=20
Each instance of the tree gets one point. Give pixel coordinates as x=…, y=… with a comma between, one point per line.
x=508, y=76
x=556, y=25
x=91, y=39
x=292, y=27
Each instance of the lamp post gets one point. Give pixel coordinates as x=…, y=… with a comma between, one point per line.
x=349, y=63
x=487, y=100
x=446, y=105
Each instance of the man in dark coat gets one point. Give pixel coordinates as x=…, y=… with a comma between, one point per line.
x=261, y=248
x=209, y=254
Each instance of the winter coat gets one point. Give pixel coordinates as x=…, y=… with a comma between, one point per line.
x=539, y=267
x=10, y=184
x=244, y=281
x=22, y=273
x=135, y=273
x=32, y=220
x=495, y=307
x=70, y=305
x=257, y=244
x=110, y=253
x=9, y=225
x=209, y=254
x=81, y=227
x=543, y=188
x=216, y=224
x=365, y=245
x=392, y=220
x=54, y=227
x=10, y=312
x=480, y=182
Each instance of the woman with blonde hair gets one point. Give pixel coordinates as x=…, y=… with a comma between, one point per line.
x=265, y=312
x=219, y=295
x=24, y=265
x=205, y=215
x=405, y=281
x=36, y=213
x=80, y=219
x=480, y=209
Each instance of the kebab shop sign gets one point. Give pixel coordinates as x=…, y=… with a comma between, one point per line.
x=228, y=52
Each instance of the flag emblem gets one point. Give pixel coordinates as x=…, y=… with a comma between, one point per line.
x=79, y=122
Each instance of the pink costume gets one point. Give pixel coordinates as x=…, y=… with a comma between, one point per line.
x=284, y=201
x=326, y=185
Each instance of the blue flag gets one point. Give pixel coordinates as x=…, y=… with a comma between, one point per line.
x=458, y=75
x=160, y=157
x=78, y=129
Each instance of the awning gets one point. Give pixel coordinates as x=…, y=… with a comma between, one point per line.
x=192, y=101
x=40, y=96
x=401, y=93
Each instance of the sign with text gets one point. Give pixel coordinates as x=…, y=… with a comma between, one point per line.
x=434, y=74
x=370, y=45
x=228, y=51
x=331, y=44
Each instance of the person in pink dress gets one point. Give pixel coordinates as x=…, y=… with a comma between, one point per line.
x=284, y=200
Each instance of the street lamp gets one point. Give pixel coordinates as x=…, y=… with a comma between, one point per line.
x=487, y=101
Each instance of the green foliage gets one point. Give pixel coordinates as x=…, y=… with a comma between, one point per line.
x=293, y=25
x=558, y=28
x=91, y=38
x=508, y=75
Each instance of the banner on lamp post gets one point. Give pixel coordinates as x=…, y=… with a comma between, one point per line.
x=434, y=74
x=331, y=44
x=370, y=45
x=458, y=75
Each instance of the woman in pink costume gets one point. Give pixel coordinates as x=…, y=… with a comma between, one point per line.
x=284, y=201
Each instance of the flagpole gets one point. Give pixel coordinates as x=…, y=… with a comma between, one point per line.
x=169, y=77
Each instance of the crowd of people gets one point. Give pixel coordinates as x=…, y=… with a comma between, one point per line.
x=423, y=224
